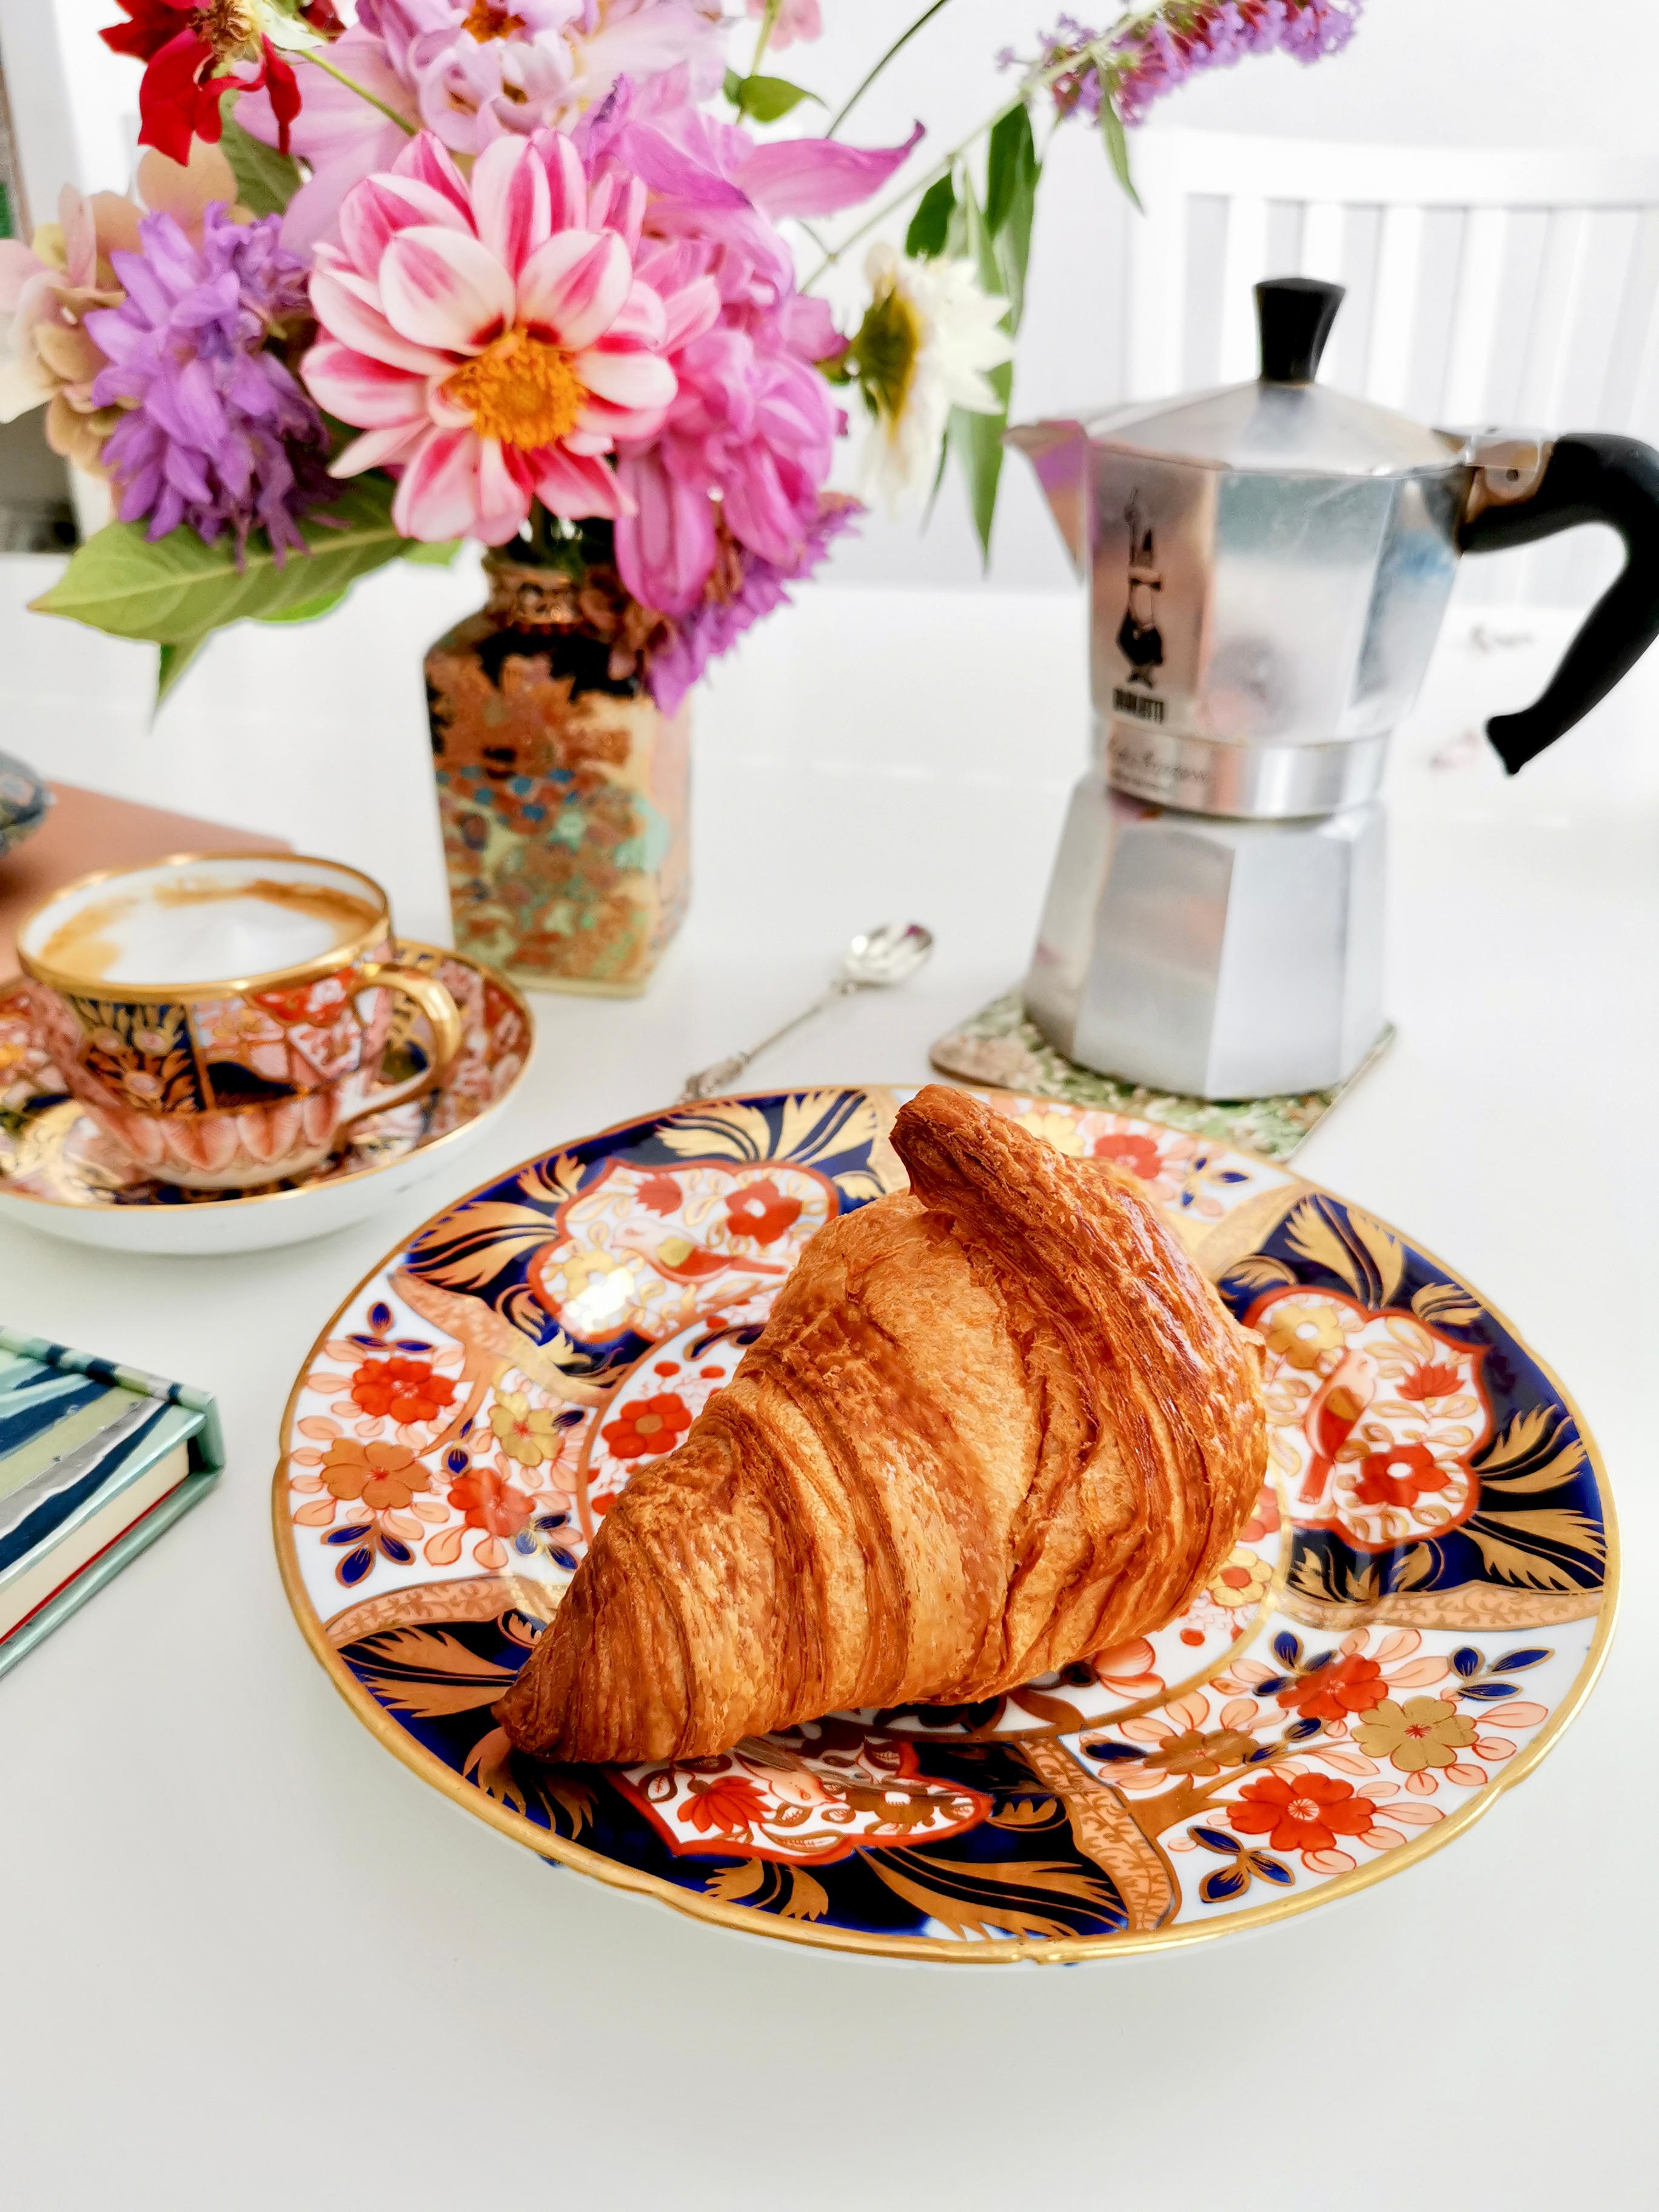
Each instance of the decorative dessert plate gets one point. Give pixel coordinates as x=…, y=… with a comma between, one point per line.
x=1419, y=1603
x=56, y=1163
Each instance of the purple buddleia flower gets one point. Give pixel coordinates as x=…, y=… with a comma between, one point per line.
x=734, y=601
x=220, y=436
x=1160, y=48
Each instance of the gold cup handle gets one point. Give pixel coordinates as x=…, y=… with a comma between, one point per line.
x=441, y=1013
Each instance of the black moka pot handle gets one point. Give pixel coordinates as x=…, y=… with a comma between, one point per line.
x=1590, y=476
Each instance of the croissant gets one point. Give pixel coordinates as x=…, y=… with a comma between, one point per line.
x=994, y=1424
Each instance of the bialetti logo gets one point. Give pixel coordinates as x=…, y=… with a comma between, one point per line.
x=1139, y=639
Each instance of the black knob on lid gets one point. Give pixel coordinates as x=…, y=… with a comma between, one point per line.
x=1294, y=315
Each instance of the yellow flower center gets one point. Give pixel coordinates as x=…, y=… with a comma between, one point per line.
x=229, y=28
x=489, y=19
x=889, y=340
x=521, y=390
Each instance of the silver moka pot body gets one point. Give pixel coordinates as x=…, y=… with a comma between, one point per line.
x=1268, y=567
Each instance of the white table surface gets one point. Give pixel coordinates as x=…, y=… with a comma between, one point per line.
x=251, y=1962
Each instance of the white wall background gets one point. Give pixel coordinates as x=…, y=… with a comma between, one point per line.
x=1501, y=73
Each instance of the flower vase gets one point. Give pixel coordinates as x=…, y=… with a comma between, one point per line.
x=563, y=788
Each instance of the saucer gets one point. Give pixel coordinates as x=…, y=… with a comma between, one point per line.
x=56, y=1163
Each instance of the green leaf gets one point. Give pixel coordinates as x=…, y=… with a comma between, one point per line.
x=1011, y=166
x=432, y=557
x=766, y=98
x=265, y=180
x=178, y=589
x=976, y=439
x=173, y=661
x=308, y=610
x=1012, y=175
x=930, y=226
x=1117, y=147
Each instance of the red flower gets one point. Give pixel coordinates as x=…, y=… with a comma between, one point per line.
x=661, y=1194
x=190, y=50
x=762, y=1211
x=1351, y=1684
x=406, y=1389
x=1439, y=1379
x=1138, y=1154
x=728, y=1803
x=1398, y=1476
x=489, y=1503
x=1300, y=1812
x=649, y=1425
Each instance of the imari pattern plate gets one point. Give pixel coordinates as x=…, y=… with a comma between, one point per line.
x=1418, y=1604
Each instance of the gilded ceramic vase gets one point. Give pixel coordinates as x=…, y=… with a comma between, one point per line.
x=562, y=788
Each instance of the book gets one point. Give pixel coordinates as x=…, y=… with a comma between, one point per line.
x=96, y=1461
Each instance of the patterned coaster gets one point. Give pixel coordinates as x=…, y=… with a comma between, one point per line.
x=999, y=1045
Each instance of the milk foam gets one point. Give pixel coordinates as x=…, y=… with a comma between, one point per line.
x=205, y=934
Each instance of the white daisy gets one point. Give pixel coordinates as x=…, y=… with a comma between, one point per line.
x=927, y=339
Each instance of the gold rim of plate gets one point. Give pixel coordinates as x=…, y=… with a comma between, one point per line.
x=423, y=1148
x=996, y=1950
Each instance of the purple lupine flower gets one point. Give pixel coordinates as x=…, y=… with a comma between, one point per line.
x=219, y=435
x=715, y=625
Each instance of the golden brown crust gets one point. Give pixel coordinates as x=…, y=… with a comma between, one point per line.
x=994, y=1424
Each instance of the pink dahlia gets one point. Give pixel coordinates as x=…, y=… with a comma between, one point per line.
x=491, y=336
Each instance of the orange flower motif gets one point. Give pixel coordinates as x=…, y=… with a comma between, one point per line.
x=1263, y=1520
x=762, y=1211
x=488, y=1502
x=382, y=1476
x=1348, y=1686
x=661, y=1194
x=1302, y=1811
x=1138, y=1154
x=1438, y=1378
x=728, y=1804
x=649, y=1427
x=1423, y=1732
x=406, y=1389
x=1398, y=1476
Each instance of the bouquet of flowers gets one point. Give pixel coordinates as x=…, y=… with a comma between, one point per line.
x=522, y=271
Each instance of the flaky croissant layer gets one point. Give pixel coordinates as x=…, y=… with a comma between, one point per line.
x=994, y=1424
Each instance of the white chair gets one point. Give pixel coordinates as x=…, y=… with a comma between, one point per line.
x=1484, y=287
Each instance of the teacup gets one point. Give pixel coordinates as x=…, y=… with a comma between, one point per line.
x=222, y=1017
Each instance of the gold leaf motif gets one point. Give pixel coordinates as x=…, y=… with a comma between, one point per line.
x=553, y=1180
x=559, y=1786
x=1558, y=1469
x=1258, y=1272
x=1514, y=1562
x=1311, y=1235
x=985, y=1900
x=1026, y=1813
x=858, y=1187
x=1520, y=1440
x=734, y=1132
x=808, y=1899
x=447, y=1677
x=490, y=1763
x=732, y=1883
x=464, y=1256
x=1387, y=1254
x=1445, y=1305
x=845, y=1131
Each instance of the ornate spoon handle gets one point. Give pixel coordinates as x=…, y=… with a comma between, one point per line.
x=709, y=1082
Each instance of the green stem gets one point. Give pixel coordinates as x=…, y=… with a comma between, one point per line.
x=1096, y=54
x=362, y=91
x=768, y=24
x=897, y=46
x=940, y=168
